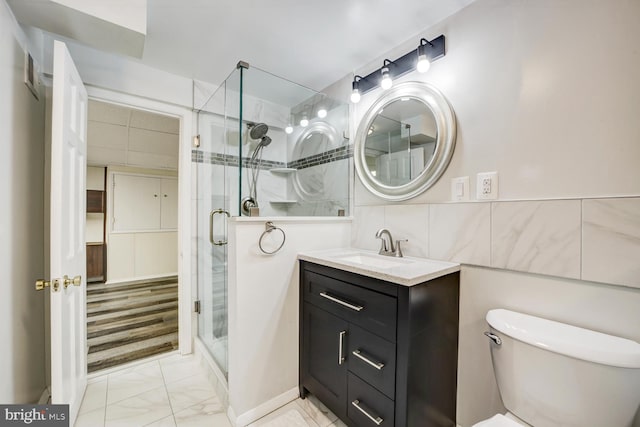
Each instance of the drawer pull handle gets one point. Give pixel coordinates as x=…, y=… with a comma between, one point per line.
x=376, y=420
x=341, y=347
x=376, y=365
x=339, y=301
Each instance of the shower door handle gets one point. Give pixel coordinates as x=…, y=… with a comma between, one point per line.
x=211, y=215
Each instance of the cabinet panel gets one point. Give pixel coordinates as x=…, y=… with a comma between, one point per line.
x=95, y=263
x=371, y=310
x=169, y=204
x=367, y=404
x=372, y=352
x=95, y=201
x=323, y=373
x=136, y=203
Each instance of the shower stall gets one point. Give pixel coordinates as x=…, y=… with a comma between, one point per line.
x=266, y=147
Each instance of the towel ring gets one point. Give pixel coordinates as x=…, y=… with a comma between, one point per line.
x=268, y=228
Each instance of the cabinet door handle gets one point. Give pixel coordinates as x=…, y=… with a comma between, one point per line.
x=341, y=347
x=377, y=365
x=341, y=302
x=376, y=420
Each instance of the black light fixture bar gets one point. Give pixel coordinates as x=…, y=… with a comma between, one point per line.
x=434, y=49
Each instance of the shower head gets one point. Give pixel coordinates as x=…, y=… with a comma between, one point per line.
x=259, y=131
x=265, y=140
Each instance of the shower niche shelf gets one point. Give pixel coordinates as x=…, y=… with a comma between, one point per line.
x=284, y=171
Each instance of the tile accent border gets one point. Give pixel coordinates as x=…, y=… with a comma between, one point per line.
x=594, y=239
x=340, y=153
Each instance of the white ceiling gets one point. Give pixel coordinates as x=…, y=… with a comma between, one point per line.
x=313, y=43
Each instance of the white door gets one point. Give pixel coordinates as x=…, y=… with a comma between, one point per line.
x=67, y=252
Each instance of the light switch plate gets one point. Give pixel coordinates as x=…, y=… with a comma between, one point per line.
x=487, y=186
x=460, y=188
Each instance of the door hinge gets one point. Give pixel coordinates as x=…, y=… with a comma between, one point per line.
x=196, y=306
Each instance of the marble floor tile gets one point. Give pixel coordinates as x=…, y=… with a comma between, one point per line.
x=165, y=422
x=94, y=418
x=178, y=367
x=95, y=396
x=206, y=413
x=140, y=379
x=190, y=391
x=270, y=419
x=317, y=411
x=139, y=410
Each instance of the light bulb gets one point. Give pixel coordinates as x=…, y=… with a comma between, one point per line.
x=423, y=64
x=386, y=81
x=288, y=129
x=322, y=113
x=304, y=122
x=355, y=96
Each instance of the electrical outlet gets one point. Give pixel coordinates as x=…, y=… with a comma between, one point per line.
x=460, y=188
x=487, y=186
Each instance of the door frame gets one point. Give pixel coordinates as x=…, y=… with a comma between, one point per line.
x=186, y=316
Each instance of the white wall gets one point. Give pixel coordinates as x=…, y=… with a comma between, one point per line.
x=545, y=93
x=263, y=309
x=22, y=359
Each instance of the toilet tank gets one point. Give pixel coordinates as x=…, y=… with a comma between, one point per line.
x=551, y=374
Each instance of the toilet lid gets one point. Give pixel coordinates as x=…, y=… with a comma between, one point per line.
x=498, y=420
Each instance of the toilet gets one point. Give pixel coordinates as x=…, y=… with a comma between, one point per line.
x=552, y=374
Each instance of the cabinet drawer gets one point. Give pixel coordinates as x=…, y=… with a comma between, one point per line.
x=371, y=310
x=373, y=359
x=367, y=406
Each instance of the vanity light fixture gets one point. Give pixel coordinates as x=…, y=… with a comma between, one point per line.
x=355, y=89
x=304, y=122
x=423, y=62
x=417, y=59
x=385, y=77
x=289, y=129
x=322, y=113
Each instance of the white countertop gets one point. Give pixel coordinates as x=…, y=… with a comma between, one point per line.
x=407, y=271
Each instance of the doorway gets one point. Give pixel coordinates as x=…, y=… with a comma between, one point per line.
x=132, y=234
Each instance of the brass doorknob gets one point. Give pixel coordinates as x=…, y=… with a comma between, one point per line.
x=76, y=281
x=41, y=284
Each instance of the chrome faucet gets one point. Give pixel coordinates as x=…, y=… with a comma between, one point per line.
x=387, y=247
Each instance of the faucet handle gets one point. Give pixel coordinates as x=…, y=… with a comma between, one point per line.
x=398, y=251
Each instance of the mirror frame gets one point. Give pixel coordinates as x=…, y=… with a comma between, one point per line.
x=445, y=123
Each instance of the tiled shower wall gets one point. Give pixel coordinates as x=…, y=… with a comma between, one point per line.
x=320, y=184
x=588, y=239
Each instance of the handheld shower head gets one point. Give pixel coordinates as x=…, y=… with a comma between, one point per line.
x=265, y=140
x=259, y=131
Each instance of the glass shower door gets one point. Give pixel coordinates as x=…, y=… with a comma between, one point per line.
x=217, y=181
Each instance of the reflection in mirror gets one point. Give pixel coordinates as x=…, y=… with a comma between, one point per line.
x=400, y=141
x=404, y=141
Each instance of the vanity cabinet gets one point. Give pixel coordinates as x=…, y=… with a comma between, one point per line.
x=379, y=353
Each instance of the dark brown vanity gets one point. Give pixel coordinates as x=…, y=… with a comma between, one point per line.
x=376, y=352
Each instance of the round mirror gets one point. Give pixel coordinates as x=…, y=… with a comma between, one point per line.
x=405, y=141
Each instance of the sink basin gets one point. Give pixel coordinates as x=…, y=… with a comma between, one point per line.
x=378, y=261
x=407, y=271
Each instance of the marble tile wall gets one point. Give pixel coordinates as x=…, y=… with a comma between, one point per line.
x=589, y=239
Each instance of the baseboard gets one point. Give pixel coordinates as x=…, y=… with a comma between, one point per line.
x=45, y=396
x=267, y=407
